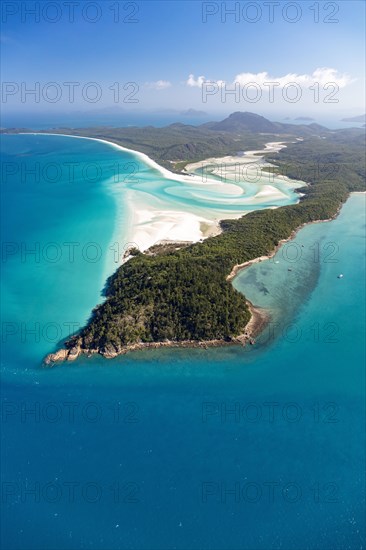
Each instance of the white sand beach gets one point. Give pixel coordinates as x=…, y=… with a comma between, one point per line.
x=152, y=220
x=150, y=224
x=248, y=157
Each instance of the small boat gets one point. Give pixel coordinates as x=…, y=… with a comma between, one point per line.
x=252, y=342
x=340, y=276
x=289, y=269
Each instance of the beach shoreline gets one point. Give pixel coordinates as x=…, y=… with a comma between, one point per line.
x=185, y=225
x=151, y=222
x=259, y=317
x=186, y=178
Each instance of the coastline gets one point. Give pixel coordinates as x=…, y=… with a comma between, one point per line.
x=142, y=156
x=152, y=221
x=239, y=267
x=151, y=224
x=256, y=324
x=259, y=318
x=189, y=224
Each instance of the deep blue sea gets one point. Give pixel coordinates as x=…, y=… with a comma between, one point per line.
x=255, y=448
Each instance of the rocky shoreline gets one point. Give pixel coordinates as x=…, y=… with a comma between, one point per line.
x=259, y=319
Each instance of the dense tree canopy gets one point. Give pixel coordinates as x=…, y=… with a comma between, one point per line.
x=184, y=295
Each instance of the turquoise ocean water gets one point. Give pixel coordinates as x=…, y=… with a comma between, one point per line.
x=233, y=448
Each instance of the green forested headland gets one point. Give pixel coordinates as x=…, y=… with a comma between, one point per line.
x=184, y=295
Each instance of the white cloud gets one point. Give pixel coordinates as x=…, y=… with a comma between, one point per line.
x=322, y=75
x=159, y=85
x=195, y=83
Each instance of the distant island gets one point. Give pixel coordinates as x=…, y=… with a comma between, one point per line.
x=193, y=112
x=182, y=295
x=359, y=118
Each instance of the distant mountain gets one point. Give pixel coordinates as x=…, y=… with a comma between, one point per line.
x=359, y=118
x=306, y=118
x=251, y=123
x=244, y=122
x=317, y=127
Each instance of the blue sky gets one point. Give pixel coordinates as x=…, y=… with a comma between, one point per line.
x=172, y=40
